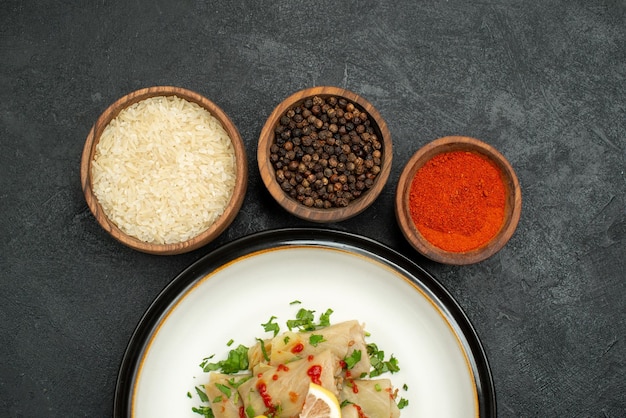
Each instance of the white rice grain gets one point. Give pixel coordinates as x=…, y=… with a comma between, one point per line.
x=164, y=170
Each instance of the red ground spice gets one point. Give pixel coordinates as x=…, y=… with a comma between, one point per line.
x=457, y=201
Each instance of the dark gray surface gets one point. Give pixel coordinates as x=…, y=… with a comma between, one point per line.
x=544, y=82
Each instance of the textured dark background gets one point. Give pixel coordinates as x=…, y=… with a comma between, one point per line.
x=542, y=81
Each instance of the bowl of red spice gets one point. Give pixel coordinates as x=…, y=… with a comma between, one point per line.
x=458, y=200
x=324, y=154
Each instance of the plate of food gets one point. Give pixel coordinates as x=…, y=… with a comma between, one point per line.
x=268, y=323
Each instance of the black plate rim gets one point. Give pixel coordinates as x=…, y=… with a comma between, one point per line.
x=463, y=327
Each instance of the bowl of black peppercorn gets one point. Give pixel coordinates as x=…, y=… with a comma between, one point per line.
x=325, y=154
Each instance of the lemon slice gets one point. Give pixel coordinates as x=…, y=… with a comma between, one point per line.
x=320, y=403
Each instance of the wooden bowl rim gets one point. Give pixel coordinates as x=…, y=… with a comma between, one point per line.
x=232, y=208
x=512, y=209
x=297, y=209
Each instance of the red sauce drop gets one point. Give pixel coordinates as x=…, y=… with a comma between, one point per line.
x=311, y=357
x=267, y=399
x=359, y=411
x=280, y=368
x=314, y=373
x=242, y=412
x=297, y=348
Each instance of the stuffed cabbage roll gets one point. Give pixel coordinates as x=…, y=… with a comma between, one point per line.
x=342, y=339
x=282, y=388
x=372, y=398
x=223, y=396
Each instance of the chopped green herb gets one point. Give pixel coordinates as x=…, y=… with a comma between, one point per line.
x=271, y=326
x=377, y=387
x=286, y=339
x=402, y=403
x=202, y=394
x=263, y=350
x=305, y=320
x=379, y=364
x=352, y=359
x=295, y=302
x=237, y=360
x=205, y=411
x=405, y=387
x=189, y=395
x=345, y=402
x=217, y=399
x=325, y=318
x=205, y=361
x=224, y=389
x=236, y=382
x=314, y=340
x=230, y=342
x=250, y=412
x=392, y=364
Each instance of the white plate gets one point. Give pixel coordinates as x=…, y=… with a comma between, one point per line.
x=231, y=292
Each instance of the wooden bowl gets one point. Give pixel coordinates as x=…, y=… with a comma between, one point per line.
x=218, y=226
x=268, y=173
x=512, y=210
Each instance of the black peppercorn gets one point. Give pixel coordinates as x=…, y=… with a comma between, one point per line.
x=325, y=152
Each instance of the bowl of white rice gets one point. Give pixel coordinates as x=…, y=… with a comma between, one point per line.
x=164, y=170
